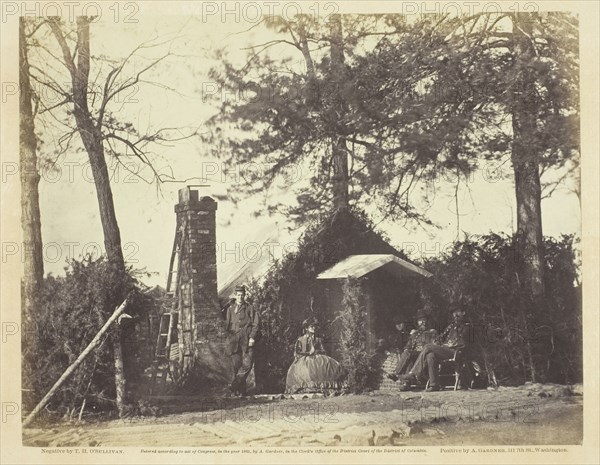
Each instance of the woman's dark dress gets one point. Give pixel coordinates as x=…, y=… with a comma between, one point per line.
x=311, y=373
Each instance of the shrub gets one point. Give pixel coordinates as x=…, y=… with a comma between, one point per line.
x=518, y=338
x=72, y=310
x=357, y=360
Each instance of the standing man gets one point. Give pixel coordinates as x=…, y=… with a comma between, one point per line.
x=417, y=340
x=242, y=327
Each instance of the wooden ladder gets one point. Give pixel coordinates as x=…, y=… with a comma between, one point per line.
x=168, y=320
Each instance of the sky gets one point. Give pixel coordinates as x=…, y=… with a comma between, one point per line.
x=186, y=98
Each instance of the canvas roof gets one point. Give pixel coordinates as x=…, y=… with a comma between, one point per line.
x=238, y=270
x=355, y=266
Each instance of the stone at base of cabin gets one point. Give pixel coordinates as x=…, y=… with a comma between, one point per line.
x=387, y=367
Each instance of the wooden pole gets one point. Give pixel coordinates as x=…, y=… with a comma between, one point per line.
x=69, y=371
x=81, y=409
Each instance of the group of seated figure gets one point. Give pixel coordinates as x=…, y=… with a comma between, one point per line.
x=418, y=361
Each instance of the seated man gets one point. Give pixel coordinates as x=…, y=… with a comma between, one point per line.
x=454, y=337
x=417, y=340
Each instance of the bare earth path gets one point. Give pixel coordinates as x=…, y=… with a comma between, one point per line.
x=531, y=414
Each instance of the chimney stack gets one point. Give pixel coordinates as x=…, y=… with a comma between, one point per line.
x=200, y=325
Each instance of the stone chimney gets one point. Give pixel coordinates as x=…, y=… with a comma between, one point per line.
x=200, y=325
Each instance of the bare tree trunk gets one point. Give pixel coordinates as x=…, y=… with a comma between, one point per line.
x=120, y=379
x=525, y=159
x=529, y=221
x=33, y=262
x=339, y=150
x=91, y=135
x=92, y=139
x=312, y=91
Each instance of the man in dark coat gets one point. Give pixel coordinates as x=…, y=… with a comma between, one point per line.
x=241, y=323
x=455, y=336
x=417, y=340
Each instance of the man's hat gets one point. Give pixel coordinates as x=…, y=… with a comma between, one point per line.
x=398, y=318
x=240, y=288
x=422, y=314
x=308, y=322
x=457, y=308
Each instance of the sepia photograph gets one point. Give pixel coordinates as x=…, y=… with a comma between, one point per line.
x=318, y=229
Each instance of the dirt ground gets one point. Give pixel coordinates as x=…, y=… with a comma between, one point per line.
x=531, y=414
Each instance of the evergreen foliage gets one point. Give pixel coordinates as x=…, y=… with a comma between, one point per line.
x=516, y=337
x=358, y=361
x=423, y=98
x=73, y=309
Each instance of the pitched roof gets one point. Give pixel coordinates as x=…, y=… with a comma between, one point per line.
x=240, y=271
x=356, y=266
x=339, y=236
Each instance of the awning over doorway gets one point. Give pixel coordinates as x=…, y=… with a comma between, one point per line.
x=356, y=266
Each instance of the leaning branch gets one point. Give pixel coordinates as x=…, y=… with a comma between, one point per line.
x=69, y=371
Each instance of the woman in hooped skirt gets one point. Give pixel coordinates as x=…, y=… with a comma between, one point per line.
x=312, y=370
